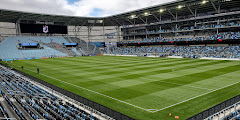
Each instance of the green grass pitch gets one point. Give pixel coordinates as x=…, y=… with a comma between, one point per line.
x=140, y=87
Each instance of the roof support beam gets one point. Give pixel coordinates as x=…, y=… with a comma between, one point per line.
x=142, y=20
x=219, y=8
x=156, y=17
x=129, y=21
x=191, y=11
x=19, y=19
x=91, y=27
x=114, y=24
x=214, y=6
x=171, y=14
x=83, y=23
x=79, y=27
x=39, y=17
x=69, y=22
x=118, y=22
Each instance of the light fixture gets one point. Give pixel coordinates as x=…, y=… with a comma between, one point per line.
x=146, y=13
x=179, y=7
x=204, y=2
x=132, y=16
x=161, y=10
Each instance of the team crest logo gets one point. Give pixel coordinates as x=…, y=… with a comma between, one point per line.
x=45, y=29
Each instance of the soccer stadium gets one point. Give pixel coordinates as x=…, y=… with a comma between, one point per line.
x=176, y=60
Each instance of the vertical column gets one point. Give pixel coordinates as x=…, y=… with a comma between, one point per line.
x=160, y=18
x=75, y=31
x=134, y=37
x=119, y=34
x=160, y=34
x=17, y=26
x=104, y=37
x=176, y=16
x=89, y=32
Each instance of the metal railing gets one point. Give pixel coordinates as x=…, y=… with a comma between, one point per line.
x=216, y=110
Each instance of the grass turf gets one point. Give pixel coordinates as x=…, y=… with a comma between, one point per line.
x=145, y=84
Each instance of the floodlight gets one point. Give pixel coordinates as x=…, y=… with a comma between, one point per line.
x=132, y=16
x=180, y=6
x=161, y=10
x=146, y=14
x=204, y=2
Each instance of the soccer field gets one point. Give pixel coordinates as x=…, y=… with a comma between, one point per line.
x=140, y=87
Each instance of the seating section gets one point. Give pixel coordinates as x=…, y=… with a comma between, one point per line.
x=223, y=36
x=233, y=116
x=185, y=51
x=186, y=28
x=31, y=102
x=85, y=48
x=52, y=47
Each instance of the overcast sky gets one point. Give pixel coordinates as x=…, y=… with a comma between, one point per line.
x=94, y=8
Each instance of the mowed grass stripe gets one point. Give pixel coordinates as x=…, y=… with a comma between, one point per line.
x=65, y=65
x=219, y=81
x=126, y=66
x=101, y=61
x=184, y=72
x=121, y=82
x=132, y=72
x=167, y=97
x=155, y=100
x=155, y=86
x=91, y=69
x=101, y=78
x=75, y=79
x=52, y=66
x=133, y=78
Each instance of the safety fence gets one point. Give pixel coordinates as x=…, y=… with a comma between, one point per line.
x=213, y=110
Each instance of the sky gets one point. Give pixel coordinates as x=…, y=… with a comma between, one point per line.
x=84, y=8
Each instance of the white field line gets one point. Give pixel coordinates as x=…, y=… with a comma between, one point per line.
x=173, y=70
x=148, y=110
x=90, y=90
x=185, y=85
x=194, y=97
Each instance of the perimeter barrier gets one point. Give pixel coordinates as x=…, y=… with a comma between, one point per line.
x=213, y=110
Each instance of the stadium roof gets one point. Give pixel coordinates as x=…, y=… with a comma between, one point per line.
x=142, y=16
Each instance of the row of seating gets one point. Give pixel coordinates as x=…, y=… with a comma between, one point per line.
x=223, y=36
x=3, y=111
x=32, y=101
x=184, y=28
x=186, y=51
x=233, y=116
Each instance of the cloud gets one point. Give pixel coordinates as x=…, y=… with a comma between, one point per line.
x=86, y=8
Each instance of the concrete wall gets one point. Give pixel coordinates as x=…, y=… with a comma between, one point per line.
x=97, y=33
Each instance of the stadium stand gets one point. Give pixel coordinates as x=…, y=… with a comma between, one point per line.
x=50, y=47
x=184, y=28
x=185, y=51
x=29, y=101
x=223, y=36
